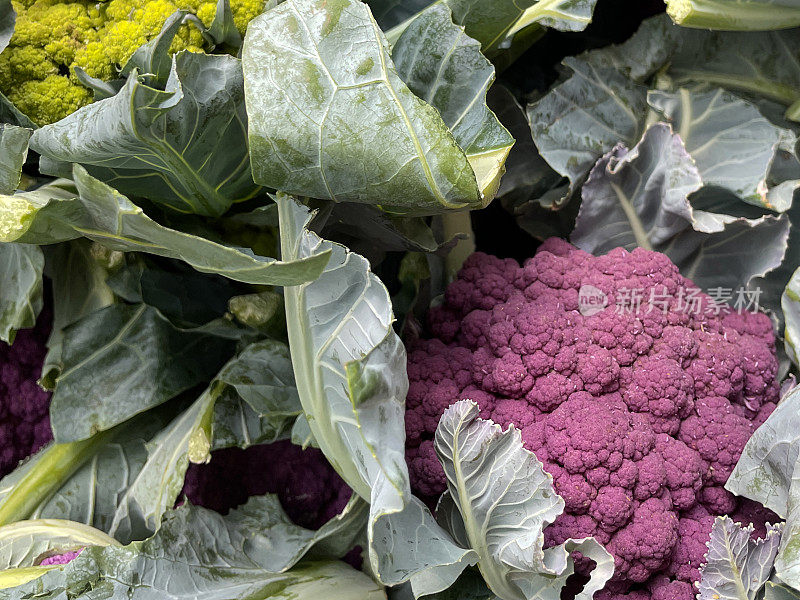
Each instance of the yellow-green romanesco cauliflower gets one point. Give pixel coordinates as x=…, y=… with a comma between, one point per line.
x=53, y=36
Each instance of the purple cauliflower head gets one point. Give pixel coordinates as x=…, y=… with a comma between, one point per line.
x=639, y=411
x=310, y=491
x=24, y=418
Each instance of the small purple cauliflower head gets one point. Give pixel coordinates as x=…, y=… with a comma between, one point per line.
x=24, y=419
x=309, y=489
x=638, y=411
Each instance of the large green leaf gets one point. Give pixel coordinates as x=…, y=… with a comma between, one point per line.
x=13, y=151
x=122, y=481
x=258, y=375
x=492, y=22
x=723, y=259
x=736, y=566
x=763, y=64
x=21, y=267
x=769, y=459
x=349, y=368
x=185, y=296
x=775, y=591
x=528, y=176
x=262, y=376
x=154, y=490
x=184, y=147
x=42, y=474
x=144, y=359
x=114, y=221
x=583, y=118
x=95, y=494
x=733, y=145
x=499, y=499
x=768, y=472
x=444, y=66
x=78, y=272
x=42, y=216
x=790, y=303
x=345, y=130
x=199, y=555
x=8, y=18
x=640, y=198
x=25, y=543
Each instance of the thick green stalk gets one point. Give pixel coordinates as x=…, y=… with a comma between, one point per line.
x=44, y=474
x=457, y=223
x=735, y=15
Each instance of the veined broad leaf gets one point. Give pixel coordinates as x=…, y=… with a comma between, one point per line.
x=7, y=19
x=787, y=562
x=492, y=22
x=257, y=375
x=42, y=474
x=641, y=198
x=528, y=176
x=21, y=267
x=222, y=29
x=152, y=58
x=736, y=566
x=42, y=216
x=638, y=197
x=198, y=555
x=765, y=64
x=184, y=147
x=156, y=486
x=349, y=368
x=775, y=591
x=314, y=118
x=584, y=117
x=79, y=288
x=278, y=544
x=26, y=543
x=790, y=303
x=261, y=404
x=13, y=151
x=262, y=376
x=640, y=56
x=186, y=297
x=723, y=259
x=95, y=493
x=768, y=472
x=499, y=499
x=117, y=223
x=733, y=145
x=766, y=468
x=444, y=67
x=145, y=361
x=121, y=481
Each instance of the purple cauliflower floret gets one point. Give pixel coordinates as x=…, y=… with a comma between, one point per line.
x=60, y=559
x=310, y=491
x=638, y=412
x=24, y=418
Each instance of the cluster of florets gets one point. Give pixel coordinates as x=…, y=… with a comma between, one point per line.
x=310, y=491
x=24, y=419
x=52, y=37
x=639, y=412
